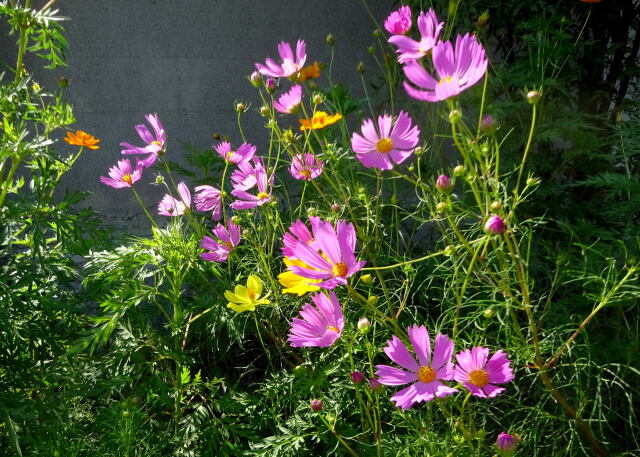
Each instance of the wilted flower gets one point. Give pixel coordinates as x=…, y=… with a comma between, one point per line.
x=122, y=175
x=290, y=64
x=320, y=324
x=410, y=50
x=228, y=238
x=245, y=152
x=306, y=167
x=81, y=138
x=386, y=144
x=289, y=101
x=319, y=120
x=246, y=298
x=207, y=198
x=443, y=183
x=494, y=225
x=154, y=143
x=480, y=375
x=170, y=206
x=457, y=71
x=399, y=21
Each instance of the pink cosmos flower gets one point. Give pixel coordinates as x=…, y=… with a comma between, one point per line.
x=154, y=143
x=330, y=256
x=207, y=198
x=244, y=177
x=320, y=324
x=123, y=175
x=388, y=144
x=479, y=375
x=289, y=102
x=457, y=70
x=264, y=184
x=170, y=206
x=298, y=232
x=244, y=153
x=399, y=21
x=426, y=374
x=411, y=50
x=290, y=64
x=306, y=167
x=228, y=238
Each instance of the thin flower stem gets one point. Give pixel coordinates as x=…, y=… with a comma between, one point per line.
x=460, y=295
x=407, y=262
x=240, y=126
x=484, y=93
x=337, y=435
x=135, y=192
x=264, y=348
x=526, y=151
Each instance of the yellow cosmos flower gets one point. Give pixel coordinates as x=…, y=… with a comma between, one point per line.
x=319, y=120
x=81, y=138
x=246, y=298
x=310, y=72
x=295, y=284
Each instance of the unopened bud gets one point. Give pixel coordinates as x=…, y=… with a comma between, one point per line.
x=455, y=115
x=533, y=181
x=265, y=111
x=336, y=208
x=159, y=179
x=357, y=377
x=235, y=220
x=459, y=170
x=241, y=107
x=256, y=79
x=449, y=250
x=367, y=279
x=494, y=225
x=246, y=233
x=418, y=151
x=316, y=404
x=495, y=206
x=373, y=299
x=394, y=199
x=299, y=370
x=360, y=67
x=533, y=96
x=441, y=206
x=483, y=19
x=411, y=168
x=374, y=384
x=506, y=444
x=289, y=136
x=317, y=98
x=371, y=50
x=377, y=33
x=488, y=313
x=364, y=325
x=330, y=40
x=311, y=212
x=330, y=418
x=63, y=82
x=488, y=124
x=443, y=183
x=216, y=136
x=271, y=85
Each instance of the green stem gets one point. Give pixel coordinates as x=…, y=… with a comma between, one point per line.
x=526, y=150
x=135, y=192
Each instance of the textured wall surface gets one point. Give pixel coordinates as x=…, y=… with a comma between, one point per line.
x=187, y=61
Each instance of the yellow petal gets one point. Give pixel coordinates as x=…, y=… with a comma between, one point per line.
x=255, y=283
x=235, y=297
x=241, y=308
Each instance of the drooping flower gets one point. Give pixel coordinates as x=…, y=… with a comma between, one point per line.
x=319, y=120
x=494, y=225
x=399, y=21
x=228, y=239
x=310, y=72
x=480, y=375
x=410, y=50
x=457, y=70
x=290, y=65
x=331, y=254
x=296, y=284
x=246, y=298
x=306, y=167
x=289, y=102
x=81, y=138
x=387, y=144
x=245, y=152
x=426, y=374
x=170, y=206
x=264, y=184
x=122, y=175
x=207, y=198
x=506, y=444
x=154, y=143
x=319, y=325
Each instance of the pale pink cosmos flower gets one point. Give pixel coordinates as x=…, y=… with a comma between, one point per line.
x=123, y=175
x=330, y=256
x=306, y=167
x=426, y=374
x=207, y=198
x=387, y=144
x=155, y=143
x=263, y=183
x=411, y=50
x=457, y=70
x=399, y=21
x=228, y=239
x=170, y=206
x=289, y=102
x=319, y=325
x=480, y=375
x=244, y=177
x=290, y=65
x=245, y=152
x=298, y=232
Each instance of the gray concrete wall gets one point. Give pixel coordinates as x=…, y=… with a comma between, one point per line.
x=188, y=61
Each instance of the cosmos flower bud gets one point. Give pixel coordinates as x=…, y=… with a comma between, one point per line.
x=63, y=82
x=533, y=96
x=265, y=111
x=459, y=170
x=241, y=107
x=271, y=85
x=533, y=181
x=330, y=40
x=371, y=50
x=418, y=151
x=494, y=225
x=360, y=67
x=336, y=208
x=159, y=180
x=374, y=384
x=449, y=250
x=316, y=404
x=235, y=220
x=364, y=325
x=483, y=19
x=357, y=377
x=377, y=33
x=289, y=137
x=367, y=279
x=312, y=212
x=488, y=313
x=455, y=115
x=441, y=206
x=506, y=444
x=495, y=206
x=394, y=199
x=443, y=183
x=256, y=79
x=246, y=233
x=488, y=124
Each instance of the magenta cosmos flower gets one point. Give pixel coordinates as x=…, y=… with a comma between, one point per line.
x=387, y=144
x=289, y=102
x=170, y=206
x=480, y=375
x=247, y=200
x=408, y=49
x=319, y=325
x=154, y=143
x=123, y=175
x=228, y=238
x=290, y=65
x=298, y=233
x=457, y=70
x=244, y=153
x=306, y=167
x=207, y=198
x=399, y=21
x=329, y=256
x=426, y=374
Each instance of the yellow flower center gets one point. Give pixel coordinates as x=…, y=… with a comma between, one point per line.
x=340, y=269
x=426, y=374
x=251, y=293
x=127, y=178
x=157, y=143
x=229, y=154
x=384, y=145
x=306, y=173
x=228, y=244
x=479, y=378
x=446, y=79
x=332, y=328
x=262, y=195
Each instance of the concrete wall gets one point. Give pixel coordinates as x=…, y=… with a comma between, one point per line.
x=188, y=61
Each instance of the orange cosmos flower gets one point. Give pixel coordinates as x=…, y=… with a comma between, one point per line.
x=319, y=120
x=310, y=72
x=81, y=138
